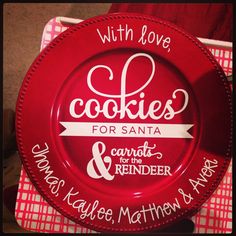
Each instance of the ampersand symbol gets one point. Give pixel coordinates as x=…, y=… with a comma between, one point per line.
x=187, y=197
x=98, y=161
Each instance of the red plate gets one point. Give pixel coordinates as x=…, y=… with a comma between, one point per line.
x=124, y=123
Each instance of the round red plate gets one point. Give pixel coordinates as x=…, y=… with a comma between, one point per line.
x=124, y=123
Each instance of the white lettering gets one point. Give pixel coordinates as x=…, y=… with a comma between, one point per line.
x=155, y=211
x=44, y=166
x=133, y=108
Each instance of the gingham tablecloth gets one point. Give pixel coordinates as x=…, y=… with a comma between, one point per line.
x=33, y=213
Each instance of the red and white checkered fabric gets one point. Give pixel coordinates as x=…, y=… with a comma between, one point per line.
x=35, y=214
